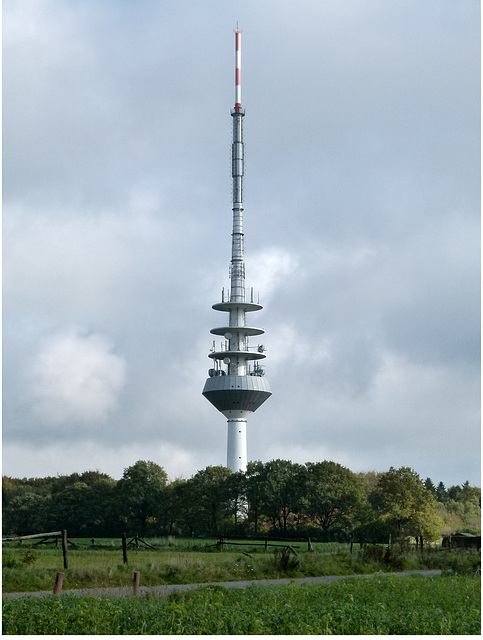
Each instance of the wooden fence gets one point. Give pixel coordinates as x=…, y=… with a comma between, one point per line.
x=47, y=538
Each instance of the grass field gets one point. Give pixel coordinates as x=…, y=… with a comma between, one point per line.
x=29, y=569
x=383, y=605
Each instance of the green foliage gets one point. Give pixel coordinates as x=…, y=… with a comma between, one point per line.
x=429, y=485
x=321, y=500
x=373, y=552
x=407, y=507
x=140, y=491
x=405, y=606
x=254, y=489
x=284, y=561
x=282, y=490
x=207, y=496
x=29, y=557
x=334, y=497
x=10, y=560
x=441, y=493
x=459, y=561
x=26, y=513
x=68, y=508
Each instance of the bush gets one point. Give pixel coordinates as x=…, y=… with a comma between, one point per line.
x=462, y=562
x=9, y=560
x=394, y=559
x=373, y=553
x=390, y=558
x=285, y=560
x=29, y=557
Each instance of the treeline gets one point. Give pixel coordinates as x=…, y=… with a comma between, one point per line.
x=321, y=500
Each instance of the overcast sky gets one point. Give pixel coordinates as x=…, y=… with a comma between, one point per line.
x=362, y=230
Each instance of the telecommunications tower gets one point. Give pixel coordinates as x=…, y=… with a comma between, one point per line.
x=236, y=385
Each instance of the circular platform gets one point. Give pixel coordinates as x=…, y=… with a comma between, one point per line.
x=247, y=331
x=229, y=306
x=246, y=355
x=237, y=393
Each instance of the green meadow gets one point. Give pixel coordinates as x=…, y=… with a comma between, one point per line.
x=173, y=561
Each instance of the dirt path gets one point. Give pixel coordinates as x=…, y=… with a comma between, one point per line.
x=166, y=589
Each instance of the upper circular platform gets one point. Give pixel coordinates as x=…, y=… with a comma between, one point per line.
x=247, y=331
x=245, y=355
x=229, y=306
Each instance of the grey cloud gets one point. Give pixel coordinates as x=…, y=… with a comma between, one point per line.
x=362, y=201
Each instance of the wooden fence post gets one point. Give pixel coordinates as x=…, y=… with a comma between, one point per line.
x=124, y=548
x=64, y=549
x=59, y=579
x=136, y=584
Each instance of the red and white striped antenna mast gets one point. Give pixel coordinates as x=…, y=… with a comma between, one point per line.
x=237, y=69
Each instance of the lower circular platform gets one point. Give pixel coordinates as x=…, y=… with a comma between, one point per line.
x=237, y=393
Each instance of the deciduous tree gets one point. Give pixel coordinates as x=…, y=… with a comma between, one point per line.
x=334, y=495
x=405, y=505
x=283, y=490
x=140, y=491
x=208, y=492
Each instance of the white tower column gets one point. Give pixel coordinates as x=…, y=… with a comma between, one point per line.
x=237, y=444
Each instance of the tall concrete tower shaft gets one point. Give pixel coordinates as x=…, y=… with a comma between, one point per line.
x=237, y=386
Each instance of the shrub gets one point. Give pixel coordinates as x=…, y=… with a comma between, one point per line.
x=373, y=553
x=9, y=560
x=29, y=557
x=463, y=562
x=394, y=559
x=285, y=561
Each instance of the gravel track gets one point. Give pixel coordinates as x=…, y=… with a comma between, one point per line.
x=166, y=589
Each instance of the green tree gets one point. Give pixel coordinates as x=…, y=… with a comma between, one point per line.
x=334, y=496
x=207, y=495
x=170, y=514
x=464, y=502
x=101, y=513
x=455, y=492
x=140, y=492
x=254, y=488
x=441, y=493
x=405, y=505
x=61, y=482
x=237, y=501
x=26, y=514
x=428, y=484
x=283, y=491
x=68, y=509
x=471, y=494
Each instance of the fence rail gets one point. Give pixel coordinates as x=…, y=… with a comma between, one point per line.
x=45, y=537
x=34, y=535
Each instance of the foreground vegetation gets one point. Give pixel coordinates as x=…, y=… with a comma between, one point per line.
x=384, y=605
